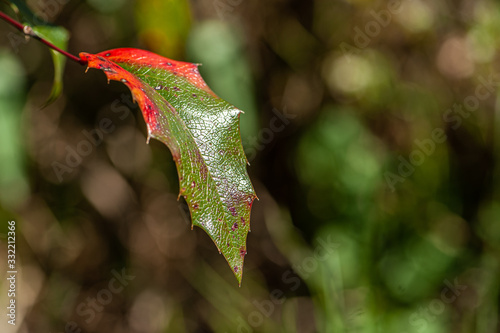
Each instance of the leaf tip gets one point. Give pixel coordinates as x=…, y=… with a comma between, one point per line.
x=238, y=273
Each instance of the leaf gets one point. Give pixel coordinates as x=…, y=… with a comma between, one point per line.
x=19, y=6
x=14, y=183
x=202, y=132
x=59, y=37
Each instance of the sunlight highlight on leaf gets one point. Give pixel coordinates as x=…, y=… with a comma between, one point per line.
x=202, y=132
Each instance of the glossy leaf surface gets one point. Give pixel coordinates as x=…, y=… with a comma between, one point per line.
x=202, y=132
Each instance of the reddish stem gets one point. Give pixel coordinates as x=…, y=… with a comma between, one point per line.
x=28, y=31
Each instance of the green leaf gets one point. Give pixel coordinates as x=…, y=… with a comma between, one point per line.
x=202, y=132
x=59, y=37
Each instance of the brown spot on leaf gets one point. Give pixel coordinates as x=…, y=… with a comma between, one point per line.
x=233, y=211
x=234, y=226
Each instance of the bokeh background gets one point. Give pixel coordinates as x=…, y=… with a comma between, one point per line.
x=372, y=129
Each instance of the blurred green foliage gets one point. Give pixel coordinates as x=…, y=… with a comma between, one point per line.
x=163, y=26
x=14, y=185
x=374, y=134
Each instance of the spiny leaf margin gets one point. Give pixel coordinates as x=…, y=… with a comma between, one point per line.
x=202, y=132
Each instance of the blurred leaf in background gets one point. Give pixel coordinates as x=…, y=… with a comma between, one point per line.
x=163, y=26
x=14, y=184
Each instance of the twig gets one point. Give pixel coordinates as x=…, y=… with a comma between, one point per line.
x=28, y=31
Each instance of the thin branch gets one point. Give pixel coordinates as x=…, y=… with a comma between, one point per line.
x=28, y=31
